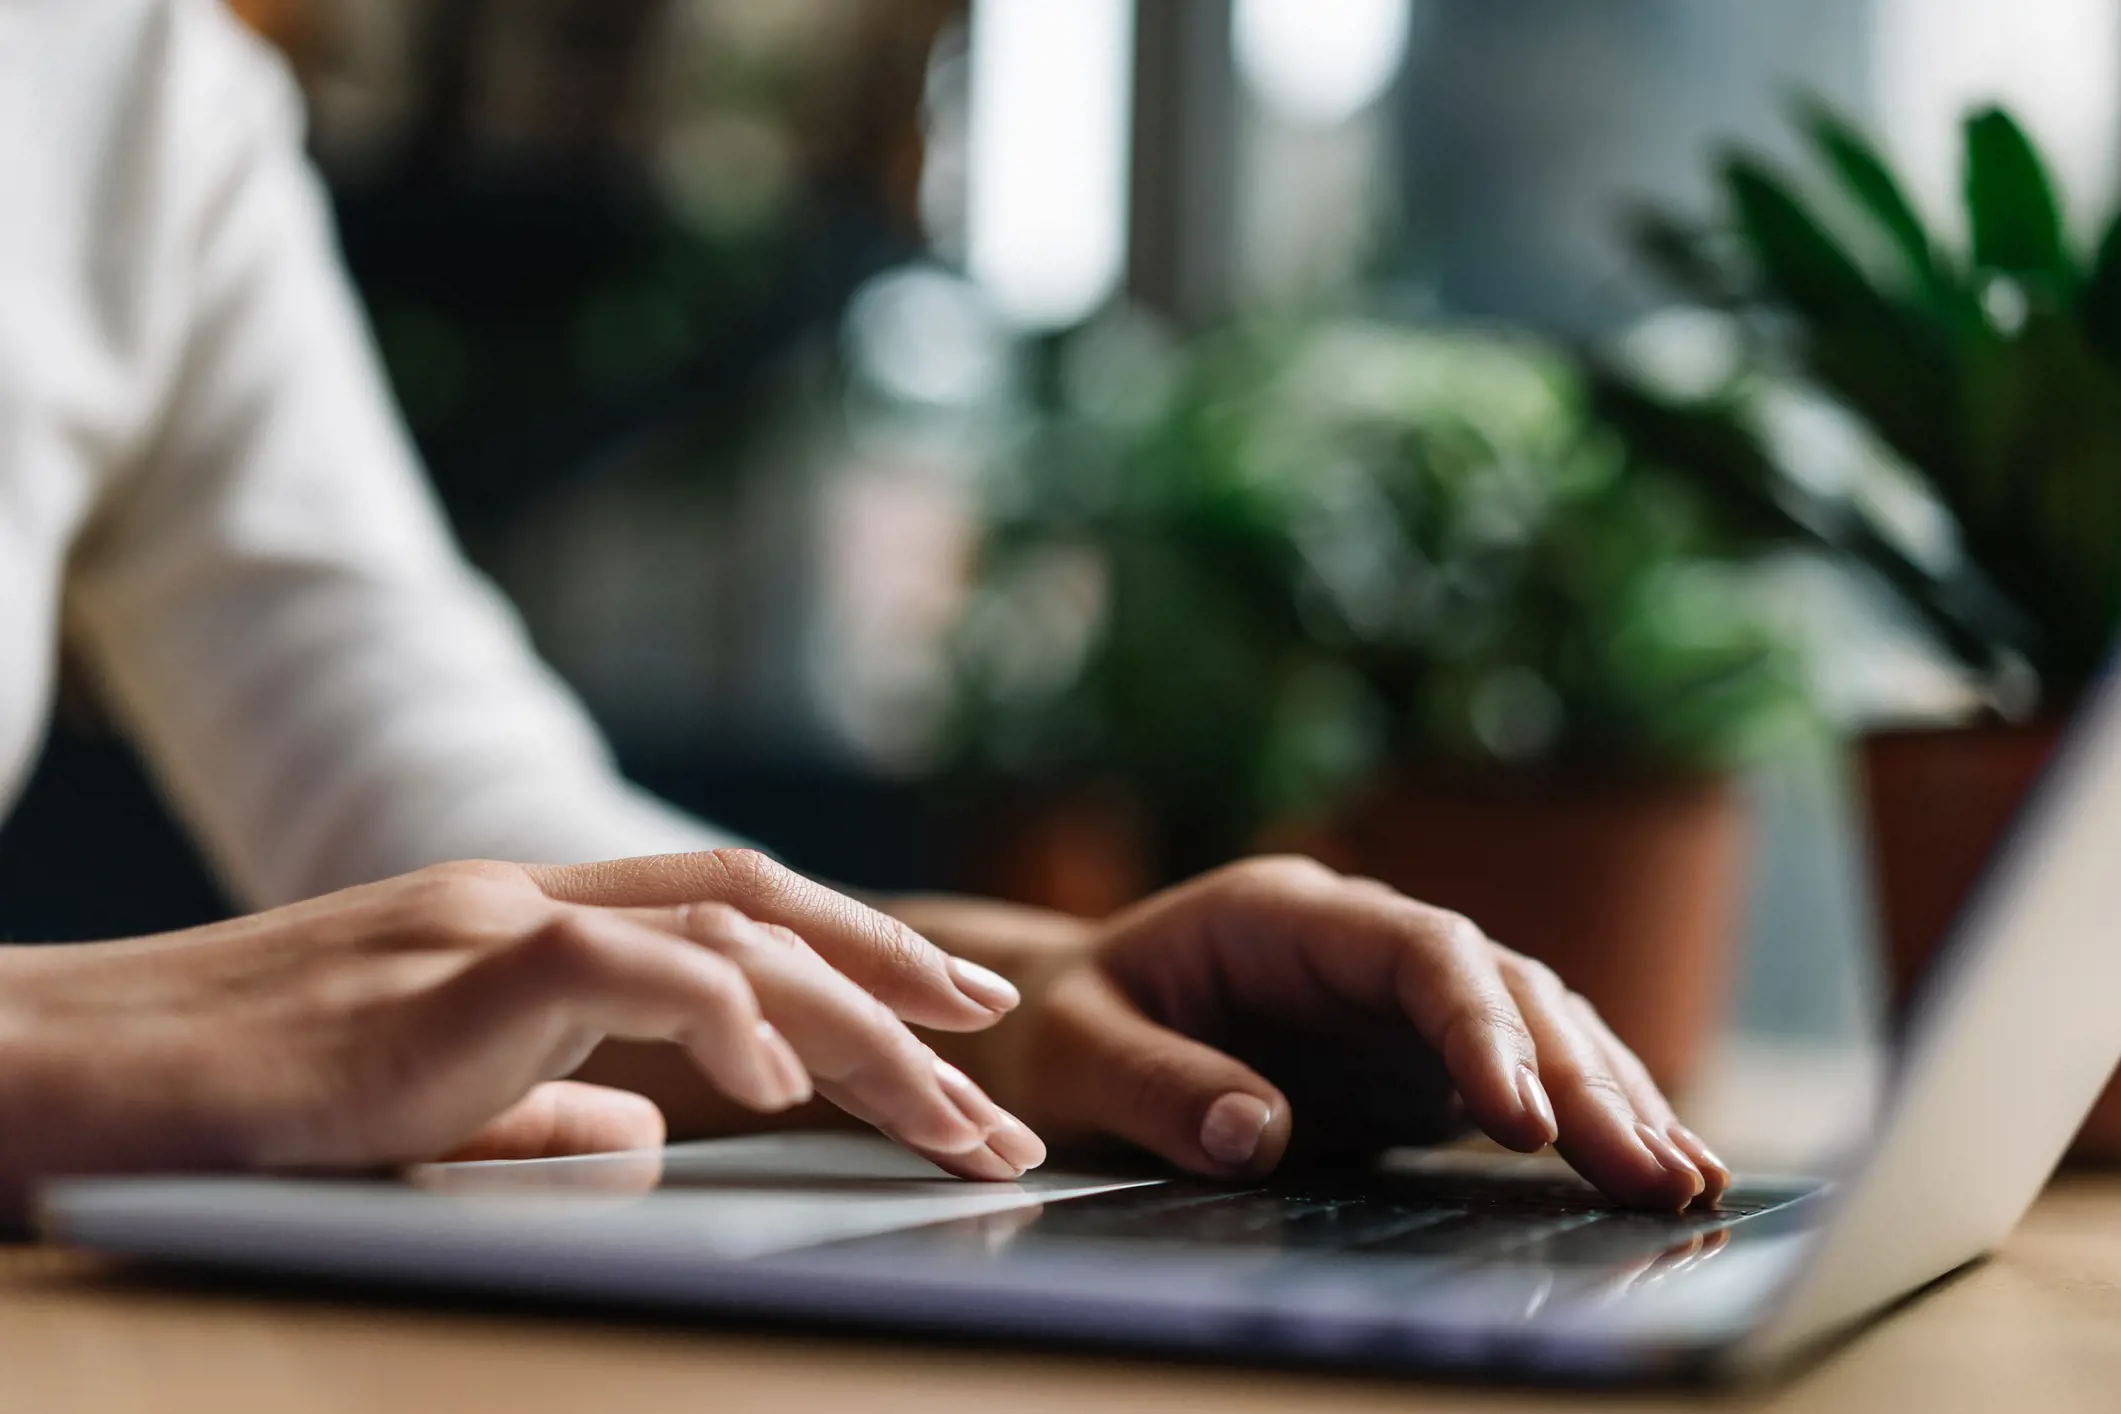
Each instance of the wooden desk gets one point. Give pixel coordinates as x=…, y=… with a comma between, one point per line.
x=2038, y=1328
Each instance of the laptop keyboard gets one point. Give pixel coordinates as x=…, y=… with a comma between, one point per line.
x=1456, y=1222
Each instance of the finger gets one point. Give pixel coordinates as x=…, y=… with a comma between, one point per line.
x=863, y=1057
x=1112, y=1070
x=1372, y=947
x=1007, y=1151
x=1650, y=1103
x=561, y=1118
x=1601, y=1133
x=594, y=974
x=1011, y=1148
x=905, y=971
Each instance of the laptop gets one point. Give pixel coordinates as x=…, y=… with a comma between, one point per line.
x=1447, y=1262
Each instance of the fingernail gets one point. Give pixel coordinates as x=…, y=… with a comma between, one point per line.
x=970, y=1101
x=1704, y=1157
x=786, y=1081
x=1231, y=1130
x=984, y=985
x=1533, y=1096
x=1014, y=1142
x=1674, y=1162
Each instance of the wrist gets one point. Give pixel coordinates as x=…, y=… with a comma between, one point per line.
x=26, y=1112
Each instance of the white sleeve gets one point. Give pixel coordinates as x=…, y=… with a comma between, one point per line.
x=325, y=690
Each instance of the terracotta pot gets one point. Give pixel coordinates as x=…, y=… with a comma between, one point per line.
x=1938, y=802
x=1630, y=889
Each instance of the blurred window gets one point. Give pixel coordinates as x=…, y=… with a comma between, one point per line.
x=1320, y=62
x=2056, y=64
x=1051, y=87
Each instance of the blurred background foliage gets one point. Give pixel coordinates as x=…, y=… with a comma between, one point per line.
x=1246, y=574
x=1980, y=379
x=575, y=224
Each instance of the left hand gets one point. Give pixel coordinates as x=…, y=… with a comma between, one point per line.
x=433, y=1014
x=1275, y=1004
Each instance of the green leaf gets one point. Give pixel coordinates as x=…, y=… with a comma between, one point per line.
x=1878, y=193
x=2011, y=205
x=2055, y=545
x=2099, y=305
x=1721, y=458
x=1888, y=361
x=1796, y=254
x=1727, y=462
x=1896, y=370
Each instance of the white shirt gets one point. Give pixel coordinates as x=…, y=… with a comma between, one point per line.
x=202, y=478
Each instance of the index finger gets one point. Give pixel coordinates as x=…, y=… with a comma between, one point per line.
x=900, y=968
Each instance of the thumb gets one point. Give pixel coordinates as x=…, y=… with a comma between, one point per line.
x=1111, y=1070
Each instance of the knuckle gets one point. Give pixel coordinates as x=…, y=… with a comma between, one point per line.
x=1531, y=975
x=1284, y=874
x=890, y=1056
x=726, y=989
x=786, y=937
x=463, y=907
x=1588, y=1074
x=565, y=952
x=492, y=870
x=1493, y=1015
x=1447, y=941
x=874, y=1018
x=1444, y=932
x=712, y=924
x=1456, y=931
x=1581, y=1011
x=748, y=873
x=894, y=945
x=1376, y=890
x=1497, y=1014
x=1490, y=1016
x=1605, y=1087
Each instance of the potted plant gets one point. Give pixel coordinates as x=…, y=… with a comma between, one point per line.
x=1389, y=597
x=1987, y=377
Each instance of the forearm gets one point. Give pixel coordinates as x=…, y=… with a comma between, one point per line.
x=73, y=1099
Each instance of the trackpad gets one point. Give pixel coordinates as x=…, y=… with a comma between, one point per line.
x=739, y=1198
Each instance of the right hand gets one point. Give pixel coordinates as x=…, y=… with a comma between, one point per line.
x=1215, y=1023
x=433, y=1016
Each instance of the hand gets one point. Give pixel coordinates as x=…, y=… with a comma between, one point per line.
x=428, y=1016
x=1275, y=1003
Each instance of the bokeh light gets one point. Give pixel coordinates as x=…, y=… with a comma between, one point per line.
x=1318, y=63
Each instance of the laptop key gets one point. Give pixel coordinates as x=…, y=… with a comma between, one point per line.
x=1257, y=1219
x=1475, y=1235
x=1617, y=1239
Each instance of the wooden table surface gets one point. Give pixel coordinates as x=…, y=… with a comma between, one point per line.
x=2036, y=1328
